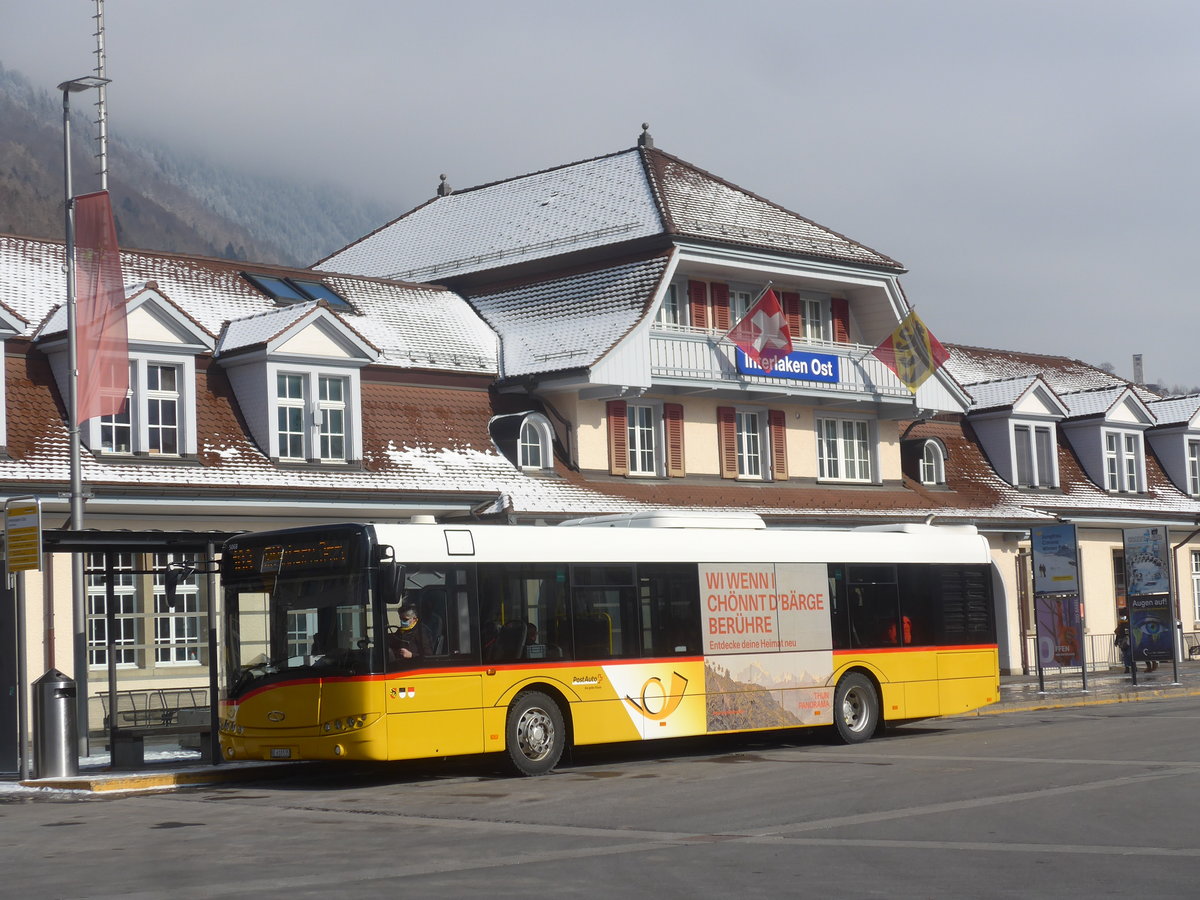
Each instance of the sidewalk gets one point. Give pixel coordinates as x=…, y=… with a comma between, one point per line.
x=1020, y=693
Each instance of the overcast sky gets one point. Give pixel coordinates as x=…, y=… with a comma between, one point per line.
x=1032, y=164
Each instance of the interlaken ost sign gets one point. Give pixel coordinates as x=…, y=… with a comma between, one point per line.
x=799, y=365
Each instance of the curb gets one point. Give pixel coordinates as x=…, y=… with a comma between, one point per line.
x=1080, y=699
x=106, y=782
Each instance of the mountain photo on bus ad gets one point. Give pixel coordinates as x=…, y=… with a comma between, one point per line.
x=767, y=645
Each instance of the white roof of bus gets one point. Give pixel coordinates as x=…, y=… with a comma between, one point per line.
x=586, y=544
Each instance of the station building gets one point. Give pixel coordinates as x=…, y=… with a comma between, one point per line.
x=541, y=348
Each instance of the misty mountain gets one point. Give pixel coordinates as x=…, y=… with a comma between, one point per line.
x=163, y=198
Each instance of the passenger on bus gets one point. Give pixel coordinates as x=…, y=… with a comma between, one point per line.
x=411, y=640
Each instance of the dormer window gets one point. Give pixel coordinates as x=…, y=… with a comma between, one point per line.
x=933, y=463
x=296, y=290
x=1034, y=452
x=298, y=368
x=1123, y=461
x=535, y=444
x=151, y=421
x=1193, y=470
x=308, y=430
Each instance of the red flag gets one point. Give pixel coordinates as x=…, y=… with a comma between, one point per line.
x=762, y=333
x=912, y=352
x=101, y=342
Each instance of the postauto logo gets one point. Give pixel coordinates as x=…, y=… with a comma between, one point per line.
x=656, y=701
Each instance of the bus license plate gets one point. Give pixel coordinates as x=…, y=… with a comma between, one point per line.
x=281, y=753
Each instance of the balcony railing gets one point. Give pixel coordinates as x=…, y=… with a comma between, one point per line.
x=688, y=354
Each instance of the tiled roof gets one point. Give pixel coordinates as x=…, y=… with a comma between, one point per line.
x=972, y=366
x=413, y=326
x=1093, y=403
x=701, y=205
x=999, y=394
x=1175, y=410
x=423, y=440
x=574, y=207
x=583, y=205
x=569, y=320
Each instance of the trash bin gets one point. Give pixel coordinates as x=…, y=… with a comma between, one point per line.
x=55, y=738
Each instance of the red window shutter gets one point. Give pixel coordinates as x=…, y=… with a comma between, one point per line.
x=673, y=420
x=839, y=312
x=777, y=425
x=720, y=305
x=727, y=441
x=698, y=303
x=793, y=314
x=618, y=438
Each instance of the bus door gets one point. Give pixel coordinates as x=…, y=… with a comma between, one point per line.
x=433, y=688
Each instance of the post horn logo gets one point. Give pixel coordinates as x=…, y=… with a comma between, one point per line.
x=657, y=702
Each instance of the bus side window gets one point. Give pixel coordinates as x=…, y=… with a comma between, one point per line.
x=873, y=606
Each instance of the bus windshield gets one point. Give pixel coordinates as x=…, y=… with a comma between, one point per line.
x=300, y=612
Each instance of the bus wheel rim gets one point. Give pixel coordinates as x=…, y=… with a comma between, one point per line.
x=535, y=734
x=854, y=710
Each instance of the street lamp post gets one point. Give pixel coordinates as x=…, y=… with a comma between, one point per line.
x=78, y=592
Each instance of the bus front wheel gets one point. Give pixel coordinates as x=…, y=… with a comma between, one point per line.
x=855, y=708
x=535, y=734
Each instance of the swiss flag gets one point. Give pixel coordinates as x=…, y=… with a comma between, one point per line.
x=762, y=333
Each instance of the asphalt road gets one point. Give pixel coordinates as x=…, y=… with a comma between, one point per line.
x=1099, y=801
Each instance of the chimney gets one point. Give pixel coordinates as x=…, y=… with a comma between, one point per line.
x=1139, y=376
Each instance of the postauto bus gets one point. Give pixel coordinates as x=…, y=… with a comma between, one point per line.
x=389, y=642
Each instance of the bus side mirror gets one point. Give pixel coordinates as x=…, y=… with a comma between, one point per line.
x=391, y=581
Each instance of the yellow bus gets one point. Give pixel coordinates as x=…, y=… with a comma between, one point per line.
x=388, y=642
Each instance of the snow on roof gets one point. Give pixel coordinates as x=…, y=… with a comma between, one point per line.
x=1175, y=410
x=412, y=325
x=597, y=202
x=1092, y=403
x=573, y=207
x=569, y=321
x=699, y=204
x=996, y=394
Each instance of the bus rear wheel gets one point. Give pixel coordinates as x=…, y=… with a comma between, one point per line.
x=535, y=734
x=855, y=708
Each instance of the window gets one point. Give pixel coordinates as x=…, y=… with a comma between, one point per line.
x=1118, y=563
x=152, y=422
x=739, y=304
x=642, y=424
x=1122, y=462
x=1196, y=583
x=672, y=312
x=332, y=409
x=812, y=319
x=532, y=451
x=176, y=624
x=305, y=431
x=147, y=630
x=162, y=408
x=535, y=443
x=1033, y=447
x=1193, y=468
x=290, y=414
x=933, y=464
x=125, y=619
x=296, y=290
x=749, y=445
x=843, y=449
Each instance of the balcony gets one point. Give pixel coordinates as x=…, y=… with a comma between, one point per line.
x=689, y=357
